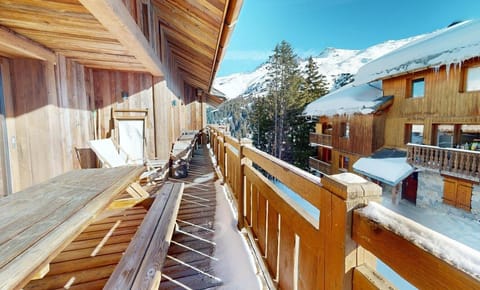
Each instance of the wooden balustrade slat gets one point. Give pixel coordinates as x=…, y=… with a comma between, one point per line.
x=261, y=222
x=254, y=208
x=248, y=201
x=272, y=240
x=301, y=182
x=305, y=225
x=286, y=257
x=308, y=267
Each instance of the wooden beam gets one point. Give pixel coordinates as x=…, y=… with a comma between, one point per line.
x=25, y=46
x=114, y=16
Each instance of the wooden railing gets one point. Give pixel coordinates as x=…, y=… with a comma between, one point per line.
x=450, y=161
x=324, y=248
x=322, y=166
x=320, y=139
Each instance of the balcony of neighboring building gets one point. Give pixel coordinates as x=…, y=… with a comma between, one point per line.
x=317, y=139
x=456, y=151
x=319, y=165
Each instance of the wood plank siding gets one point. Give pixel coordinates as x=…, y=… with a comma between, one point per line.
x=65, y=64
x=445, y=102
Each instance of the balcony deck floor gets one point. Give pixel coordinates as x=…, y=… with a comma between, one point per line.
x=206, y=251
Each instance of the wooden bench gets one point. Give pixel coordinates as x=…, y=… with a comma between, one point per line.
x=141, y=264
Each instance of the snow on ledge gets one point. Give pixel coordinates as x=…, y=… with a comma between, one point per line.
x=455, y=253
x=348, y=177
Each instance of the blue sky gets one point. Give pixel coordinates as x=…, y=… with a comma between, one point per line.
x=312, y=25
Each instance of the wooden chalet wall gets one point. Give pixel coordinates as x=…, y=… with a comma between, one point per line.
x=444, y=102
x=51, y=110
x=363, y=135
x=48, y=115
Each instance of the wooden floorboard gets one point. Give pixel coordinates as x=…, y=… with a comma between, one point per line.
x=190, y=257
x=189, y=262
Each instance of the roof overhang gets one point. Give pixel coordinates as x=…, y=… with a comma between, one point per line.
x=187, y=38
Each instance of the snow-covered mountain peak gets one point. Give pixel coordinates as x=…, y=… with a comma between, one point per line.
x=332, y=63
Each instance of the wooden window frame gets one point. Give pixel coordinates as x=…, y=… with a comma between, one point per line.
x=464, y=80
x=342, y=165
x=410, y=86
x=344, y=130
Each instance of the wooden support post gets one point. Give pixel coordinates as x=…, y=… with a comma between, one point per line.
x=241, y=183
x=342, y=254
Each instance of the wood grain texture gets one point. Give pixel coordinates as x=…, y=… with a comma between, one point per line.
x=398, y=253
x=39, y=243
x=141, y=264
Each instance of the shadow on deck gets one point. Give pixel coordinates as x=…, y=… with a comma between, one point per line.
x=203, y=244
x=206, y=251
x=189, y=262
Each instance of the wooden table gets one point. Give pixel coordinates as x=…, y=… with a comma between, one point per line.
x=39, y=222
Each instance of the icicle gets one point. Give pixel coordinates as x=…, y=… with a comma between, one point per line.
x=447, y=69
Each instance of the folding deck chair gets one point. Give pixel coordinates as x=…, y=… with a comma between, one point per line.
x=112, y=155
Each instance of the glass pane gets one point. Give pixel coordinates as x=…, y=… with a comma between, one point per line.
x=470, y=137
x=445, y=136
x=417, y=134
x=418, y=88
x=473, y=79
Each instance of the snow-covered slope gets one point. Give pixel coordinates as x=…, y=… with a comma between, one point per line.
x=332, y=62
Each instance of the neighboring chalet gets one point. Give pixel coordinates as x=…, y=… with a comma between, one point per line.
x=434, y=119
x=351, y=125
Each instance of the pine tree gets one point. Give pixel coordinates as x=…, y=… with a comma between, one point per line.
x=283, y=84
x=314, y=86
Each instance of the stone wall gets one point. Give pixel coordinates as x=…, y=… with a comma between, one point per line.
x=430, y=193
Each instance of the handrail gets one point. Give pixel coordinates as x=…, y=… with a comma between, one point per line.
x=451, y=161
x=399, y=241
x=320, y=139
x=324, y=167
x=298, y=251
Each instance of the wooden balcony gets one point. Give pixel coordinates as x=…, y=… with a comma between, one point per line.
x=454, y=162
x=317, y=139
x=297, y=248
x=319, y=165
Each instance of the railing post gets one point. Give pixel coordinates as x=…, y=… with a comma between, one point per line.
x=342, y=254
x=241, y=182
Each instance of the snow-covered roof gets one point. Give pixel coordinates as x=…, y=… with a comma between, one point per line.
x=447, y=46
x=387, y=170
x=350, y=99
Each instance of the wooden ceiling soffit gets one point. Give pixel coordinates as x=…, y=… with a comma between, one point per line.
x=24, y=46
x=214, y=101
x=186, y=40
x=187, y=23
x=115, y=17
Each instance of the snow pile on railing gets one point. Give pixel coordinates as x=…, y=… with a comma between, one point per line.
x=448, y=46
x=453, y=252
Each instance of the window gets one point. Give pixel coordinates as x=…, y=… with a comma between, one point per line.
x=457, y=193
x=445, y=135
x=344, y=130
x=413, y=133
x=145, y=21
x=470, y=137
x=473, y=79
x=343, y=162
x=418, y=88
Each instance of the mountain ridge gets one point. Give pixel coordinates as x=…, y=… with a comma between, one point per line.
x=332, y=62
